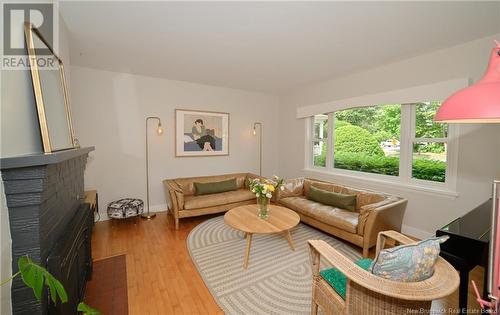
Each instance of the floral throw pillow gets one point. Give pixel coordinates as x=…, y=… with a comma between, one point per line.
x=408, y=263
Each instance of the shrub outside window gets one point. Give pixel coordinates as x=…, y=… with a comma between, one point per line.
x=368, y=139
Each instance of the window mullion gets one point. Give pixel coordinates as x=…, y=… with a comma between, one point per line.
x=452, y=156
x=329, y=142
x=309, y=156
x=406, y=145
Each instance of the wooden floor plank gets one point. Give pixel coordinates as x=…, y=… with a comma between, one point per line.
x=162, y=279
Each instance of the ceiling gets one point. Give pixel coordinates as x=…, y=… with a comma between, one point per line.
x=269, y=47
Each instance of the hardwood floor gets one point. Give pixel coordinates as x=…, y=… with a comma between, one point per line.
x=162, y=279
x=161, y=276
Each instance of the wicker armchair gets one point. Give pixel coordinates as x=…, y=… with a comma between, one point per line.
x=369, y=294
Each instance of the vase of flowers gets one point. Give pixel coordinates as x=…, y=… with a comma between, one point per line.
x=264, y=190
x=263, y=203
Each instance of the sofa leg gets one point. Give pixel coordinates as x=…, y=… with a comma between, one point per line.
x=176, y=223
x=366, y=250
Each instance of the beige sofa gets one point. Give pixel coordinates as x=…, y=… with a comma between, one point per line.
x=185, y=204
x=375, y=212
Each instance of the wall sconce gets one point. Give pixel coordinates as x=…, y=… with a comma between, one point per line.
x=159, y=131
x=255, y=124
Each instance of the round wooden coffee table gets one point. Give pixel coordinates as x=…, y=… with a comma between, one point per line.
x=245, y=219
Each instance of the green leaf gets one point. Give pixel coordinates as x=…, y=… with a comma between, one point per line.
x=60, y=290
x=31, y=275
x=34, y=276
x=52, y=289
x=38, y=287
x=87, y=310
x=23, y=262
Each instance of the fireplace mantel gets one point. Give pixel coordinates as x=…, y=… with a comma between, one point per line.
x=37, y=159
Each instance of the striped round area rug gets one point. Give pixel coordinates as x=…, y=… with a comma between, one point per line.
x=277, y=281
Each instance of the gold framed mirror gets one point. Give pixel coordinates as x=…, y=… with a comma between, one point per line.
x=51, y=93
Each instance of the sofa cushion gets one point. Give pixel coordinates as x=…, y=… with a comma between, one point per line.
x=339, y=218
x=241, y=181
x=215, y=187
x=347, y=202
x=205, y=201
x=187, y=183
x=239, y=195
x=292, y=188
x=363, y=197
x=321, y=185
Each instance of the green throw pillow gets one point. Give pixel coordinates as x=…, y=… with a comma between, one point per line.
x=215, y=187
x=338, y=280
x=333, y=199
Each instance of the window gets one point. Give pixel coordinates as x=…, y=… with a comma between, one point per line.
x=368, y=139
x=429, y=143
x=400, y=142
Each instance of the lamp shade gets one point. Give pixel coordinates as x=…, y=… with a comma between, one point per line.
x=478, y=103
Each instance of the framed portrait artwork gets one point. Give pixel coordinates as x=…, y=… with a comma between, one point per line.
x=201, y=133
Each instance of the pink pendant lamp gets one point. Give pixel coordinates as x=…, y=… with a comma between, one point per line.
x=480, y=103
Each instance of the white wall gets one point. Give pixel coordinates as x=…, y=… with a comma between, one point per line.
x=19, y=129
x=19, y=134
x=478, y=158
x=109, y=111
x=5, y=255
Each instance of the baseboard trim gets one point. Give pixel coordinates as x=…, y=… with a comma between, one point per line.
x=417, y=233
x=158, y=208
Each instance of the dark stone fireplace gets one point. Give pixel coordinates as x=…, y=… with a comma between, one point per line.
x=49, y=222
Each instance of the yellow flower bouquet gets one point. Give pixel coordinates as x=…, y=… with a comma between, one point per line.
x=263, y=190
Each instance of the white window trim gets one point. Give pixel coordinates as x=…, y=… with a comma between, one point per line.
x=404, y=180
x=330, y=140
x=433, y=91
x=361, y=178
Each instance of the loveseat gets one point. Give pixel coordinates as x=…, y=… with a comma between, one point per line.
x=374, y=211
x=184, y=202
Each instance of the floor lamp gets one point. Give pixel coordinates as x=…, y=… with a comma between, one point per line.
x=159, y=131
x=255, y=124
x=480, y=103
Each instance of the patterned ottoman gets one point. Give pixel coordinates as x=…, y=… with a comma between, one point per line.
x=125, y=208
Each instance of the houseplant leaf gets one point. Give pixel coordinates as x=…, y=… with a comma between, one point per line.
x=34, y=276
x=52, y=289
x=38, y=284
x=87, y=310
x=60, y=290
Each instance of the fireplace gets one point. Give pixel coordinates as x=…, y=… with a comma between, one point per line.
x=70, y=260
x=50, y=223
